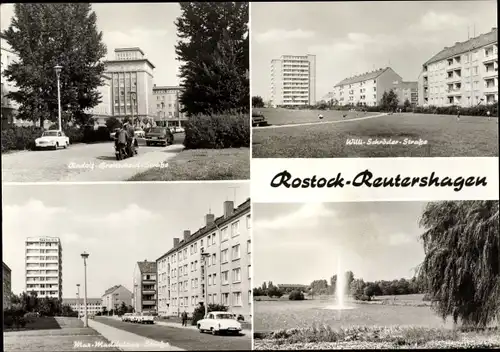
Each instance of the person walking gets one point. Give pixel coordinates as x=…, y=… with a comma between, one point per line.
x=184, y=318
x=458, y=114
x=489, y=115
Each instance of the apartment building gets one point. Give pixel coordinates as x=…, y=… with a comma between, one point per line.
x=7, y=286
x=293, y=80
x=9, y=107
x=103, y=110
x=114, y=296
x=94, y=305
x=367, y=89
x=168, y=106
x=209, y=266
x=465, y=74
x=145, y=287
x=43, y=259
x=131, y=84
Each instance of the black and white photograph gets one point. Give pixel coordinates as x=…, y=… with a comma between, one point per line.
x=125, y=92
x=376, y=275
x=361, y=79
x=127, y=267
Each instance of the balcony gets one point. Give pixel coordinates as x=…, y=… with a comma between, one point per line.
x=454, y=92
x=148, y=292
x=148, y=303
x=454, y=78
x=490, y=89
x=490, y=58
x=491, y=73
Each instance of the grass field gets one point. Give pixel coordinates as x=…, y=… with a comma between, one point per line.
x=202, y=164
x=445, y=136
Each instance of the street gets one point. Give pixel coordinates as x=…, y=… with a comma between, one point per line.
x=184, y=338
x=81, y=163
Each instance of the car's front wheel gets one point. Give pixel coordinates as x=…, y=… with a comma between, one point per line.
x=200, y=329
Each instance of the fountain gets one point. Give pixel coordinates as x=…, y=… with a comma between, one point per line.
x=340, y=287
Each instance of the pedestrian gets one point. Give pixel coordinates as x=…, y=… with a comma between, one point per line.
x=489, y=115
x=458, y=114
x=184, y=318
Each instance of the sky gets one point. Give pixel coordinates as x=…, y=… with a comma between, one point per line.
x=149, y=26
x=355, y=37
x=300, y=243
x=117, y=224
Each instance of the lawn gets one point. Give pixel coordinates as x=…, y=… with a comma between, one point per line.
x=443, y=134
x=202, y=164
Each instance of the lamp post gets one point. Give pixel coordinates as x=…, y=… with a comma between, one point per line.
x=85, y=255
x=78, y=299
x=163, y=111
x=205, y=256
x=133, y=97
x=58, y=69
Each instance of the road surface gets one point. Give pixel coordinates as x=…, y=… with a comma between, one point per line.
x=186, y=339
x=82, y=163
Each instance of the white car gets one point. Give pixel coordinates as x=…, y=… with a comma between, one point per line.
x=139, y=134
x=52, y=139
x=126, y=316
x=146, y=318
x=219, y=322
x=134, y=318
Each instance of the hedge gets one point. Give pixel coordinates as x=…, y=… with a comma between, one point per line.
x=479, y=110
x=217, y=131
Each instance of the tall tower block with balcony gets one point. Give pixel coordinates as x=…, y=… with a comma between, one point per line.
x=293, y=80
x=465, y=74
x=145, y=285
x=131, y=84
x=44, y=266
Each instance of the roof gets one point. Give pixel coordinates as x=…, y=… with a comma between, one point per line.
x=129, y=49
x=363, y=77
x=6, y=267
x=147, y=267
x=242, y=208
x=133, y=60
x=111, y=290
x=463, y=47
x=81, y=300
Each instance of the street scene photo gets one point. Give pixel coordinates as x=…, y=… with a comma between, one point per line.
x=125, y=92
x=374, y=79
x=127, y=267
x=376, y=275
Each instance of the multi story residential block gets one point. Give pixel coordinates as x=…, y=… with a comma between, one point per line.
x=114, y=296
x=145, y=285
x=465, y=74
x=168, y=106
x=103, y=110
x=367, y=89
x=131, y=84
x=210, y=266
x=6, y=282
x=293, y=80
x=44, y=266
x=78, y=305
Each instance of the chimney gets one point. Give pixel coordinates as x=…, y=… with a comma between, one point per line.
x=187, y=233
x=493, y=29
x=176, y=242
x=228, y=208
x=209, y=219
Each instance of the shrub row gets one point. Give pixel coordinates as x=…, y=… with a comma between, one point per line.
x=480, y=110
x=217, y=131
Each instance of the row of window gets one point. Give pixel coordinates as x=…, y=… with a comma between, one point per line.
x=235, y=301
x=42, y=244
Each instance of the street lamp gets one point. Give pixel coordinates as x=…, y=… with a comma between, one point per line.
x=58, y=69
x=133, y=97
x=205, y=256
x=163, y=111
x=78, y=299
x=85, y=255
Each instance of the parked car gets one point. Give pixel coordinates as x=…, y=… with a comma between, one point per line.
x=146, y=318
x=52, y=139
x=219, y=322
x=139, y=133
x=178, y=129
x=134, y=318
x=159, y=135
x=258, y=119
x=126, y=316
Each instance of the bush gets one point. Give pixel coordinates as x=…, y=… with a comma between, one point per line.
x=14, y=318
x=217, y=131
x=199, y=312
x=296, y=296
x=20, y=138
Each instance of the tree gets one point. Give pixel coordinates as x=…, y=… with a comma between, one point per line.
x=257, y=102
x=461, y=268
x=407, y=104
x=112, y=123
x=389, y=101
x=213, y=46
x=44, y=35
x=274, y=291
x=296, y=296
x=357, y=288
x=264, y=287
x=349, y=277
x=370, y=290
x=319, y=287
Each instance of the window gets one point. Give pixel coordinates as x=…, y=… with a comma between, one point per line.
x=225, y=299
x=213, y=259
x=201, y=243
x=236, y=298
x=209, y=280
x=208, y=241
x=213, y=238
x=249, y=221
x=195, y=248
x=224, y=277
x=235, y=254
x=224, y=234
x=249, y=246
x=235, y=229
x=237, y=275
x=224, y=257
x=249, y=273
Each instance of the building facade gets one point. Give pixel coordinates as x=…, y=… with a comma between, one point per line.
x=168, y=106
x=78, y=305
x=407, y=91
x=114, y=296
x=131, y=85
x=465, y=74
x=9, y=107
x=7, y=285
x=43, y=259
x=210, y=266
x=145, y=285
x=293, y=80
x=103, y=110
x=367, y=89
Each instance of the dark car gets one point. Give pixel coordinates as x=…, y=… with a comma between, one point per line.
x=159, y=135
x=258, y=119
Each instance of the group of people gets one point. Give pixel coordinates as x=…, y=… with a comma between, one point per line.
x=125, y=137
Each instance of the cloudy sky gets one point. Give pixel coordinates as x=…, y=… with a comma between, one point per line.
x=355, y=37
x=299, y=243
x=148, y=26
x=117, y=225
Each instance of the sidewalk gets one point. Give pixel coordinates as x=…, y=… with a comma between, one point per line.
x=192, y=327
x=127, y=341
